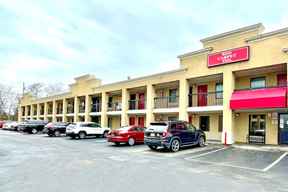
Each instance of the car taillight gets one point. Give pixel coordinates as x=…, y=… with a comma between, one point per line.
x=165, y=133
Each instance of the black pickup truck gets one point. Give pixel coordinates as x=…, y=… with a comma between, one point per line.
x=32, y=126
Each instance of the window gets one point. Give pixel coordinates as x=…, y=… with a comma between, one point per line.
x=204, y=123
x=220, y=123
x=180, y=126
x=219, y=90
x=190, y=127
x=172, y=95
x=257, y=83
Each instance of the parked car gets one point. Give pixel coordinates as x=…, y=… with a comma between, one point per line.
x=128, y=134
x=55, y=129
x=83, y=129
x=1, y=124
x=173, y=135
x=10, y=125
x=32, y=126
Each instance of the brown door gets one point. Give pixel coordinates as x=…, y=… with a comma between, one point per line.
x=141, y=102
x=132, y=121
x=141, y=121
x=281, y=80
x=202, y=95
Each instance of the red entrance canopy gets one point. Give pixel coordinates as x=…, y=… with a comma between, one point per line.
x=259, y=98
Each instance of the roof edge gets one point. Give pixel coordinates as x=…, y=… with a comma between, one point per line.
x=268, y=34
x=200, y=51
x=143, y=77
x=228, y=33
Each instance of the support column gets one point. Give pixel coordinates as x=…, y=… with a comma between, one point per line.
x=38, y=111
x=64, y=110
x=150, y=104
x=54, y=111
x=26, y=112
x=87, y=108
x=124, y=103
x=45, y=111
x=76, y=109
x=31, y=111
x=183, y=99
x=104, y=119
x=228, y=88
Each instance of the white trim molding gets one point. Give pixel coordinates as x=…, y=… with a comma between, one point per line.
x=166, y=110
x=114, y=112
x=140, y=111
x=95, y=113
x=205, y=108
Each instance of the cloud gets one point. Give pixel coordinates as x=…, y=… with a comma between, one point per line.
x=52, y=40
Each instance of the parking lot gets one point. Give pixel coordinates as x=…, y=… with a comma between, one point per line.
x=41, y=163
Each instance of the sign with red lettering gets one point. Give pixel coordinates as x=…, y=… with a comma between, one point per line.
x=229, y=56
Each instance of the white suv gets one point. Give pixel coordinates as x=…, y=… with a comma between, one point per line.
x=83, y=129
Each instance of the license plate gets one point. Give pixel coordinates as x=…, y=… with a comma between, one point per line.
x=152, y=134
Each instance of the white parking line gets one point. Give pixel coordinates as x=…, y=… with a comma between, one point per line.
x=275, y=162
x=203, y=154
x=225, y=165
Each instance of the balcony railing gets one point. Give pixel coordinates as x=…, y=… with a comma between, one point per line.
x=114, y=106
x=50, y=111
x=81, y=109
x=166, y=102
x=70, y=110
x=266, y=87
x=206, y=99
x=137, y=104
x=96, y=107
x=59, y=110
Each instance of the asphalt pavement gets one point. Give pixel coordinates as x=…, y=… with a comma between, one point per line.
x=38, y=163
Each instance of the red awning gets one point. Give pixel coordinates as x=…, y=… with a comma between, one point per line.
x=259, y=98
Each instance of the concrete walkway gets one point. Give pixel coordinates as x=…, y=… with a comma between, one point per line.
x=262, y=147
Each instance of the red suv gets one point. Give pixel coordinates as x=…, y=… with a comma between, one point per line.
x=129, y=135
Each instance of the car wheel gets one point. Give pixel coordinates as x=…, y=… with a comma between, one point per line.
x=82, y=135
x=105, y=134
x=175, y=145
x=57, y=133
x=152, y=147
x=131, y=141
x=201, y=141
x=34, y=131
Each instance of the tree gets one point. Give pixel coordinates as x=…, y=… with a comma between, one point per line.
x=9, y=100
x=52, y=89
x=35, y=89
x=44, y=90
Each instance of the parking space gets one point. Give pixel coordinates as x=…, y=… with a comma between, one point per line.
x=261, y=161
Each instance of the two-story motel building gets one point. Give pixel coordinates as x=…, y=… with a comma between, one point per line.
x=234, y=89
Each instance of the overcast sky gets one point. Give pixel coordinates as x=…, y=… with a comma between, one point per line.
x=56, y=40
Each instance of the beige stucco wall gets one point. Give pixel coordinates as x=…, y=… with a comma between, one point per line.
x=116, y=122
x=244, y=82
x=213, y=133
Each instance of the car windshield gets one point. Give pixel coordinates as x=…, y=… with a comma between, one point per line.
x=158, y=127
